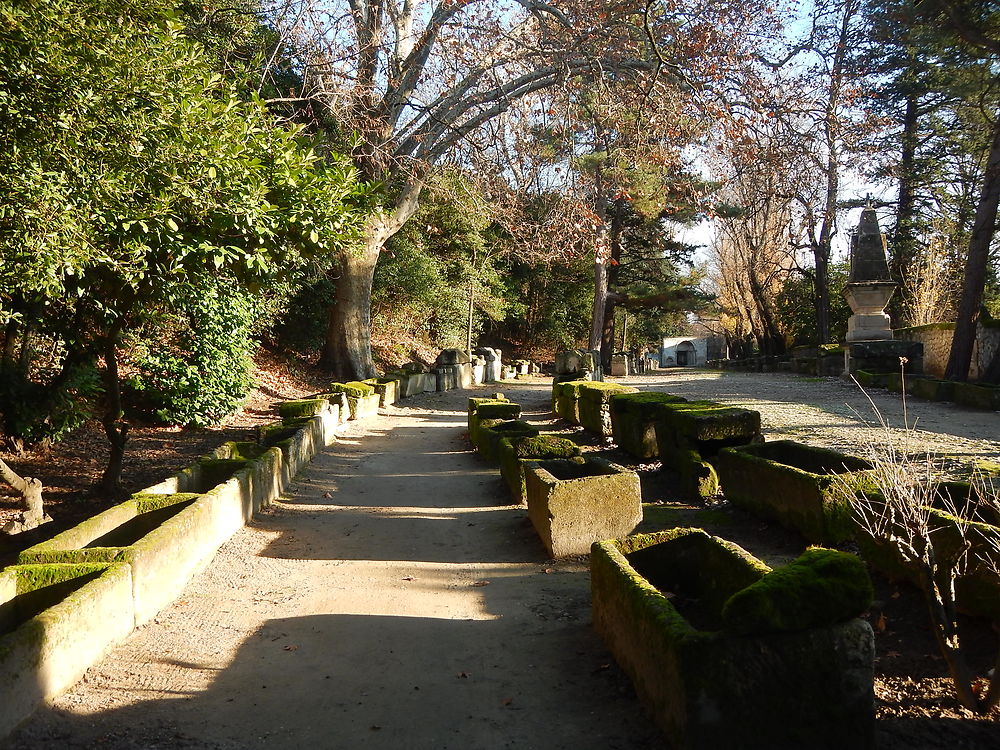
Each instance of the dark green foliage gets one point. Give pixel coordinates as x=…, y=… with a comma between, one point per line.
x=820, y=587
x=205, y=370
x=796, y=308
x=33, y=411
x=301, y=324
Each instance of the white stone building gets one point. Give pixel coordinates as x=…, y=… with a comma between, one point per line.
x=690, y=351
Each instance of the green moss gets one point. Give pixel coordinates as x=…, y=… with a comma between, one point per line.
x=146, y=503
x=32, y=577
x=306, y=407
x=353, y=389
x=600, y=386
x=642, y=400
x=545, y=446
x=499, y=410
x=821, y=587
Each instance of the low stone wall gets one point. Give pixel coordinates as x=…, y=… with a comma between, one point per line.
x=936, y=338
x=737, y=681
x=55, y=622
x=793, y=484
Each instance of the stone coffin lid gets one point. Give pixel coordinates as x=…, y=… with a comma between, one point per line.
x=490, y=355
x=868, y=261
x=451, y=357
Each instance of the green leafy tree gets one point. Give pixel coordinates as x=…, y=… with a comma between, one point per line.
x=135, y=176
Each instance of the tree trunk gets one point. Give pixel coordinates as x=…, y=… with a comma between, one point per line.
x=903, y=239
x=115, y=428
x=347, y=351
x=611, y=276
x=976, y=263
x=29, y=488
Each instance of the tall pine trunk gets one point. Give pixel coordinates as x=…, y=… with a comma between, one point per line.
x=964, y=338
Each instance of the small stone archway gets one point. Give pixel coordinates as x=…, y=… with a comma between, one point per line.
x=686, y=354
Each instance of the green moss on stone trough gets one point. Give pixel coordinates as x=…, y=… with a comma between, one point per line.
x=353, y=388
x=566, y=395
x=215, y=471
x=820, y=587
x=871, y=379
x=306, y=407
x=793, y=484
x=632, y=420
x=491, y=432
x=690, y=434
x=711, y=688
x=495, y=409
x=514, y=451
x=594, y=405
x=932, y=390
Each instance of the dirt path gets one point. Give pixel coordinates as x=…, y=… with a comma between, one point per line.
x=391, y=602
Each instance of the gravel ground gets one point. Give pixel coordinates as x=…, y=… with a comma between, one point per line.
x=837, y=414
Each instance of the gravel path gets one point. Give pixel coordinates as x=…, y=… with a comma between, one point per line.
x=837, y=414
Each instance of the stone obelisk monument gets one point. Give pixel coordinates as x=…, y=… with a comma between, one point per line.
x=870, y=345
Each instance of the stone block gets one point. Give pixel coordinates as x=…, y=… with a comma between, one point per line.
x=633, y=416
x=387, y=389
x=690, y=434
x=492, y=431
x=977, y=396
x=658, y=601
x=794, y=484
x=495, y=408
x=452, y=357
x=620, y=366
x=593, y=405
x=884, y=356
x=515, y=451
x=583, y=363
x=932, y=389
x=56, y=621
x=567, y=399
x=573, y=504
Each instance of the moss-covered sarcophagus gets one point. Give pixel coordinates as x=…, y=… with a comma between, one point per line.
x=362, y=400
x=633, y=416
x=515, y=451
x=726, y=653
x=163, y=538
x=566, y=399
x=689, y=434
x=795, y=485
x=574, y=502
x=496, y=407
x=492, y=431
x=594, y=405
x=55, y=622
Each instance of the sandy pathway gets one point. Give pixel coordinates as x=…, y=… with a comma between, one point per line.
x=390, y=601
